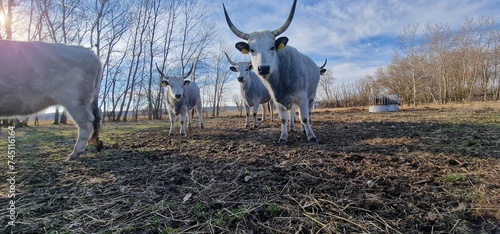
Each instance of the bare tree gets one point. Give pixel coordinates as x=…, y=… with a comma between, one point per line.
x=143, y=10
x=440, y=41
x=409, y=51
x=326, y=83
x=109, y=21
x=6, y=19
x=219, y=78
x=488, y=40
x=156, y=20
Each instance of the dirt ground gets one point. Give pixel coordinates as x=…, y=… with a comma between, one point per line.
x=420, y=170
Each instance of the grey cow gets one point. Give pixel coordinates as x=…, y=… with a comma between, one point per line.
x=322, y=71
x=182, y=96
x=290, y=76
x=36, y=75
x=252, y=90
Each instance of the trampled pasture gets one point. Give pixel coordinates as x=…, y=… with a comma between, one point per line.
x=421, y=170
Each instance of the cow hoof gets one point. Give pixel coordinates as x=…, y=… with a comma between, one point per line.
x=315, y=140
x=99, y=145
x=255, y=126
x=282, y=142
x=247, y=126
x=72, y=157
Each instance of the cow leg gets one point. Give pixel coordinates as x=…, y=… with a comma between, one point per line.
x=264, y=110
x=247, y=113
x=292, y=118
x=172, y=118
x=303, y=127
x=255, y=111
x=199, y=109
x=84, y=119
x=310, y=122
x=283, y=113
x=182, y=120
x=305, y=120
x=271, y=104
x=189, y=118
x=311, y=107
x=94, y=139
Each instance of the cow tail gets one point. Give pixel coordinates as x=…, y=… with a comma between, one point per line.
x=96, y=112
x=97, y=118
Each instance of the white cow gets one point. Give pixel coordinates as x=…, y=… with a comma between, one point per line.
x=290, y=76
x=182, y=96
x=36, y=75
x=252, y=90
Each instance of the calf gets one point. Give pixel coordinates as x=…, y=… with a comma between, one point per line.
x=252, y=90
x=182, y=96
x=35, y=75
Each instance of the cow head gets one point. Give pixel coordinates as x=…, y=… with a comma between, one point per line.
x=262, y=46
x=242, y=69
x=176, y=84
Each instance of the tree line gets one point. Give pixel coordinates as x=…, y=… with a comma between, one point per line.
x=434, y=63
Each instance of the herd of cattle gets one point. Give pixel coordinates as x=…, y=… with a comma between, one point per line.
x=36, y=75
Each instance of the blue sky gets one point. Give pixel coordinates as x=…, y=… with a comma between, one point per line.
x=355, y=36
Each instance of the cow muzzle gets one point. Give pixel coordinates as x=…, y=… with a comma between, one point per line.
x=178, y=96
x=240, y=79
x=264, y=70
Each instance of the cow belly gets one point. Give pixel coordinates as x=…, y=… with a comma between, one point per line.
x=285, y=101
x=11, y=106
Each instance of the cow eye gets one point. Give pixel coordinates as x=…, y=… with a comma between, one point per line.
x=252, y=50
x=272, y=48
x=250, y=67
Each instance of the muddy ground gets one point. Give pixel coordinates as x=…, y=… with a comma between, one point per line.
x=420, y=170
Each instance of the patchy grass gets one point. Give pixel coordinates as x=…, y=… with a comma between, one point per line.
x=430, y=169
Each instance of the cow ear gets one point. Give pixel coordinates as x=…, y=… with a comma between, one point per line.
x=280, y=43
x=186, y=82
x=242, y=47
x=164, y=82
x=233, y=69
x=322, y=72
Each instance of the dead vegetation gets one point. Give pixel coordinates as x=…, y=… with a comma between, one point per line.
x=425, y=170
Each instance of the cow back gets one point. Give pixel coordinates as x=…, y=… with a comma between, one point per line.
x=36, y=75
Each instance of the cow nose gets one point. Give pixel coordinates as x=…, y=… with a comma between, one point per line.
x=240, y=79
x=263, y=70
x=178, y=96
